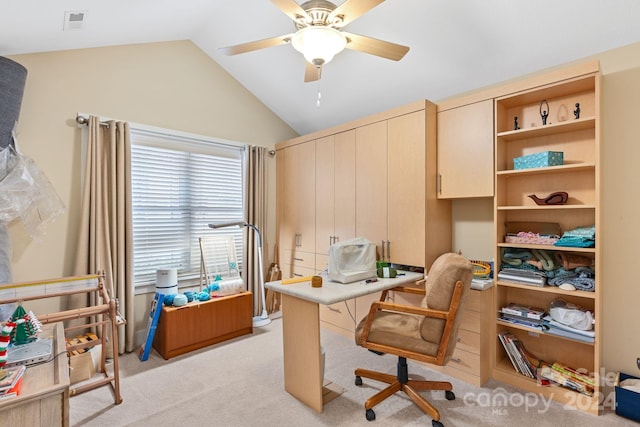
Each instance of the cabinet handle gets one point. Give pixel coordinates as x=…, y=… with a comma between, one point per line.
x=383, y=258
x=335, y=310
x=439, y=183
x=298, y=259
x=388, y=251
x=297, y=274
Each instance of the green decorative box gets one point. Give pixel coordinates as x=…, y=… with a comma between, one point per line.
x=539, y=160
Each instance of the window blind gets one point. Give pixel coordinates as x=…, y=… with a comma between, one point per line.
x=179, y=185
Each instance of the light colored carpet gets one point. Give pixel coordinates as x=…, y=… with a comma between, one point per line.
x=240, y=383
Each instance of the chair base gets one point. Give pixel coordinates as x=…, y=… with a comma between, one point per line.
x=401, y=382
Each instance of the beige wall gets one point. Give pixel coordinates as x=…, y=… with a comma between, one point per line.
x=170, y=85
x=620, y=109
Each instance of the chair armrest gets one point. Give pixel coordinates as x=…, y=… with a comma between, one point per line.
x=412, y=309
x=409, y=290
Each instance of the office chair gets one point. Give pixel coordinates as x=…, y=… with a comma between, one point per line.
x=425, y=333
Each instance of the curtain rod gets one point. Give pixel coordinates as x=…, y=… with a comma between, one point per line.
x=81, y=120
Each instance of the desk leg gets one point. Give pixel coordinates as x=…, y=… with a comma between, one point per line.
x=301, y=341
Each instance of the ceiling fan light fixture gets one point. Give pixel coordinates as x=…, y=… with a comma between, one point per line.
x=318, y=44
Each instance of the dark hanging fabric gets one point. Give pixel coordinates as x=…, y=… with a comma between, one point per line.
x=12, y=80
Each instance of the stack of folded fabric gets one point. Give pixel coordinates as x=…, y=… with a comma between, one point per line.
x=580, y=237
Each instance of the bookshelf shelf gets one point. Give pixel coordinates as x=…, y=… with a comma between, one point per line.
x=548, y=289
x=504, y=324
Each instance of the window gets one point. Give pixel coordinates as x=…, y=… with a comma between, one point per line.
x=179, y=185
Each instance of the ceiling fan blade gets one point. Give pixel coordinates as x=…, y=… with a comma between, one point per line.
x=255, y=45
x=351, y=10
x=311, y=72
x=376, y=47
x=292, y=10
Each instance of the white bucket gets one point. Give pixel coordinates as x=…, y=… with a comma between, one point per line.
x=167, y=281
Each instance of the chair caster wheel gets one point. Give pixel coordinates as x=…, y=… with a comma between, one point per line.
x=435, y=423
x=449, y=395
x=358, y=380
x=370, y=415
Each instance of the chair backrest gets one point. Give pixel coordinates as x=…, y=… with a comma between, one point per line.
x=447, y=270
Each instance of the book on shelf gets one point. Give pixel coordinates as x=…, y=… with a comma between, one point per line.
x=10, y=378
x=574, y=373
x=538, y=325
x=566, y=381
x=525, y=311
x=523, y=361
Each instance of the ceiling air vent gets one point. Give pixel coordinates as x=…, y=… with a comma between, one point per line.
x=74, y=20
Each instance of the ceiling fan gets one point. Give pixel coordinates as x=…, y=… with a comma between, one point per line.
x=318, y=34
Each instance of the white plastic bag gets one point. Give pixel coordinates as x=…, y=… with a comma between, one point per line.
x=571, y=315
x=26, y=193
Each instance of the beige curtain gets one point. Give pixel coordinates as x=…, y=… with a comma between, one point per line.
x=256, y=207
x=105, y=238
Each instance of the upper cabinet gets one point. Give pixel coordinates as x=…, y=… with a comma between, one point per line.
x=465, y=151
x=406, y=188
x=297, y=225
x=371, y=185
x=335, y=189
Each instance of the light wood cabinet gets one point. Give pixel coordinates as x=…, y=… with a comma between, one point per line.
x=376, y=178
x=579, y=141
x=297, y=226
x=335, y=189
x=470, y=359
x=371, y=184
x=465, y=151
x=407, y=207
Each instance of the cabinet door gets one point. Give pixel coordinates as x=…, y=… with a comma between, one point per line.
x=306, y=197
x=297, y=225
x=288, y=202
x=406, y=189
x=371, y=183
x=465, y=151
x=335, y=189
x=325, y=193
x=345, y=186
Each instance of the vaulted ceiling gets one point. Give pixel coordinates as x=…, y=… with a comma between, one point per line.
x=455, y=45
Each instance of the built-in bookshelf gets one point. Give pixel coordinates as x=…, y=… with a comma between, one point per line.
x=576, y=133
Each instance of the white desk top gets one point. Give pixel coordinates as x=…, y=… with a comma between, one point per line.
x=333, y=292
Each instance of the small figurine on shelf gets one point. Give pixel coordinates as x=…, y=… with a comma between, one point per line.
x=544, y=113
x=557, y=198
x=576, y=112
x=515, y=123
